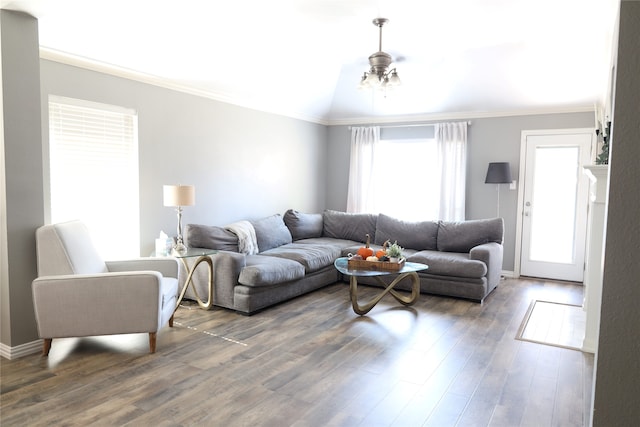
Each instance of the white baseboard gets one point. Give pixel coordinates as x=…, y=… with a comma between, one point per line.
x=11, y=353
x=508, y=274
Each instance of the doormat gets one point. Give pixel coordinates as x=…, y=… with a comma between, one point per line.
x=553, y=323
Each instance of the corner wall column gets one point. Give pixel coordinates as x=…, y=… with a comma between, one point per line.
x=23, y=205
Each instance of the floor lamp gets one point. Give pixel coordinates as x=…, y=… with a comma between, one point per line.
x=498, y=173
x=179, y=196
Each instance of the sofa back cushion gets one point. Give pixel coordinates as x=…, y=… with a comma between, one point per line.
x=303, y=225
x=462, y=236
x=414, y=235
x=271, y=232
x=210, y=237
x=349, y=226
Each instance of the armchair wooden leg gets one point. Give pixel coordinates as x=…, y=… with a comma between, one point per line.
x=152, y=342
x=46, y=346
x=171, y=321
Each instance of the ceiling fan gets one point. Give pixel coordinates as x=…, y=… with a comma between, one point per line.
x=379, y=74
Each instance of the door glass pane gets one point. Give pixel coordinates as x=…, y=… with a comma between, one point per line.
x=553, y=204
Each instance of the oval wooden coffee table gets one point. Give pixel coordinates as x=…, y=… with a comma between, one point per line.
x=409, y=270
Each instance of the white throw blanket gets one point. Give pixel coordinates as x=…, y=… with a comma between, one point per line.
x=247, y=241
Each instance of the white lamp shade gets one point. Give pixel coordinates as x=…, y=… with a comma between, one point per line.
x=179, y=195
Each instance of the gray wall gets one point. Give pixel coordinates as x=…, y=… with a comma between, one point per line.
x=23, y=172
x=489, y=140
x=617, y=384
x=244, y=164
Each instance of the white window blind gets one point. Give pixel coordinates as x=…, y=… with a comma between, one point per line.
x=93, y=151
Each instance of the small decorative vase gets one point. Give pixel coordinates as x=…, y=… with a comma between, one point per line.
x=394, y=259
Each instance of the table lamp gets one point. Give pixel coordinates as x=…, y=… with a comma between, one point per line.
x=498, y=173
x=178, y=196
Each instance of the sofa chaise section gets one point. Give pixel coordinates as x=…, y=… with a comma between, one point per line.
x=464, y=258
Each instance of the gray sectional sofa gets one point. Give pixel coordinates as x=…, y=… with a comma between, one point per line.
x=296, y=252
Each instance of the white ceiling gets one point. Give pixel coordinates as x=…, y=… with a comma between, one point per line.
x=304, y=58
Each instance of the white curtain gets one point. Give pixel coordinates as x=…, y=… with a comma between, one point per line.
x=361, y=192
x=452, y=161
x=449, y=179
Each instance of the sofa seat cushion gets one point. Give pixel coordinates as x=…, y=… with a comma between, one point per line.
x=266, y=271
x=329, y=241
x=169, y=290
x=312, y=257
x=449, y=264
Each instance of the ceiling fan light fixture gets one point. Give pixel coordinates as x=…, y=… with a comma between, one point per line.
x=379, y=75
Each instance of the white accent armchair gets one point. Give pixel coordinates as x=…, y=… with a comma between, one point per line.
x=78, y=294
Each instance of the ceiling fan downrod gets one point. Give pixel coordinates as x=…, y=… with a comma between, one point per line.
x=380, y=61
x=379, y=22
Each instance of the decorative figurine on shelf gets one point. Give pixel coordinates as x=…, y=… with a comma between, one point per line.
x=603, y=157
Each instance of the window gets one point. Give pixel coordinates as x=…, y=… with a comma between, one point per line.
x=408, y=183
x=409, y=178
x=93, y=154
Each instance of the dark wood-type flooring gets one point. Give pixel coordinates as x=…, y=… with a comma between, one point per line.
x=313, y=362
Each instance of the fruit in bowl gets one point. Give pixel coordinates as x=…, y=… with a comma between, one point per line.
x=383, y=252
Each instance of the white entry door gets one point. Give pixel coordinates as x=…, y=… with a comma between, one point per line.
x=554, y=203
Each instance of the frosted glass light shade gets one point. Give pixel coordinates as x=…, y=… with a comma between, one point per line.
x=372, y=79
x=394, y=80
x=179, y=195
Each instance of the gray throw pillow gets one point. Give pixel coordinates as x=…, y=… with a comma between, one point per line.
x=271, y=232
x=462, y=236
x=303, y=225
x=210, y=237
x=413, y=235
x=349, y=226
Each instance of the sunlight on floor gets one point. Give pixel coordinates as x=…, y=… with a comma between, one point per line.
x=551, y=323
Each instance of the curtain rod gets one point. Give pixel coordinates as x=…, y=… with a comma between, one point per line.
x=410, y=125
